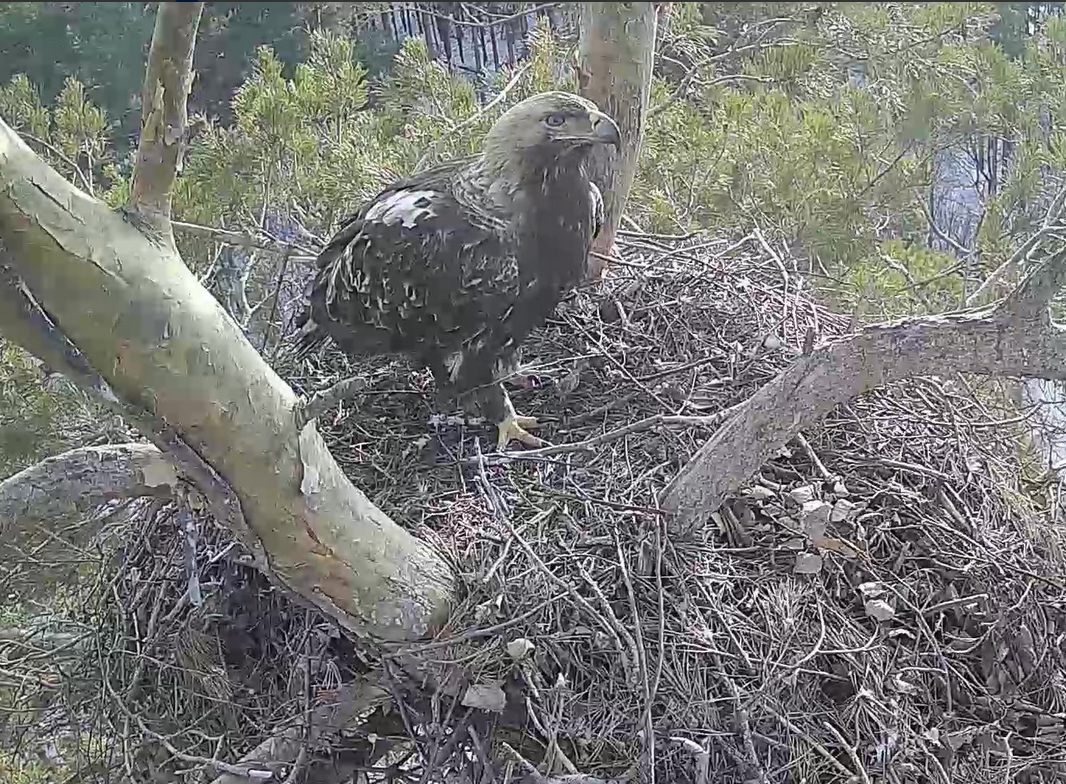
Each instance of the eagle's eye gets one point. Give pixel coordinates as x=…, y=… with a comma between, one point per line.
x=555, y=119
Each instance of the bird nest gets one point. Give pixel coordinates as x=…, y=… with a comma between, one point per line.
x=882, y=602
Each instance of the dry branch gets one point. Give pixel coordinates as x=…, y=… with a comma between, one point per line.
x=1015, y=338
x=164, y=112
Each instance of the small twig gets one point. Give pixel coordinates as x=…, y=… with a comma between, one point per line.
x=614, y=629
x=1027, y=248
x=641, y=653
x=752, y=756
x=321, y=402
x=243, y=239
x=188, y=525
x=85, y=184
x=818, y=747
x=851, y=752
x=818, y=464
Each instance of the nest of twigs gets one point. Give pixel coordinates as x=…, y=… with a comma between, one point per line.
x=883, y=602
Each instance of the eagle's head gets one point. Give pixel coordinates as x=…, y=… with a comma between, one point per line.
x=550, y=125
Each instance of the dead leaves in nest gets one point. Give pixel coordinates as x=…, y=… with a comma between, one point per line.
x=820, y=526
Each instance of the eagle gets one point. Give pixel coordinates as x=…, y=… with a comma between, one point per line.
x=455, y=266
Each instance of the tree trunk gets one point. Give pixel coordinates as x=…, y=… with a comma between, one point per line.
x=616, y=54
x=115, y=286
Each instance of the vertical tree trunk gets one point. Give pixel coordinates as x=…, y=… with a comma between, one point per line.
x=495, y=47
x=615, y=58
x=510, y=42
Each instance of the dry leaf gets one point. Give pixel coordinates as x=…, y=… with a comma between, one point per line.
x=880, y=609
x=803, y=494
x=485, y=697
x=842, y=510
x=488, y=610
x=815, y=518
x=807, y=563
x=760, y=493
x=519, y=649
x=871, y=590
x=839, y=488
x=902, y=686
x=839, y=546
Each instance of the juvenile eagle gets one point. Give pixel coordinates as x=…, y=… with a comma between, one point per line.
x=456, y=265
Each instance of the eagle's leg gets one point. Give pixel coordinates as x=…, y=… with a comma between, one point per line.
x=513, y=426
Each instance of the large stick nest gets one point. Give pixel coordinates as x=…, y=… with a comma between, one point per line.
x=884, y=601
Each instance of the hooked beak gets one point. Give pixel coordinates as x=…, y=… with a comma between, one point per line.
x=605, y=130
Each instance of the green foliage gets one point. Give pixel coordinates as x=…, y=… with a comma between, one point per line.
x=99, y=44
x=73, y=137
x=312, y=144
x=35, y=421
x=827, y=129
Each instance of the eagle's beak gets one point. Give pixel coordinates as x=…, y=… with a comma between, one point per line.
x=605, y=130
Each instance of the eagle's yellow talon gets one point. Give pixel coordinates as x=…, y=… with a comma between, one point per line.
x=513, y=427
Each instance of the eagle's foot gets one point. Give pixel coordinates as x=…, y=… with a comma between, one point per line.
x=513, y=427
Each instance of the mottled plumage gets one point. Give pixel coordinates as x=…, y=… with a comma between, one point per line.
x=456, y=265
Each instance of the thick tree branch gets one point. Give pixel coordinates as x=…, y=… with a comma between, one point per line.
x=24, y=322
x=166, y=348
x=164, y=113
x=1016, y=338
x=60, y=489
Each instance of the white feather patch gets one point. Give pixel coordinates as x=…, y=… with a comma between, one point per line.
x=454, y=362
x=402, y=207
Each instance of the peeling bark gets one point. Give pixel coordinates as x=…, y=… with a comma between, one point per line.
x=1017, y=338
x=616, y=54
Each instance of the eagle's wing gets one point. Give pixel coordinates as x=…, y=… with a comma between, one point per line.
x=413, y=271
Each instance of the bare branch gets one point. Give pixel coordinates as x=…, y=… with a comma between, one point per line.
x=242, y=239
x=62, y=488
x=165, y=96
x=502, y=94
x=1002, y=341
x=1033, y=295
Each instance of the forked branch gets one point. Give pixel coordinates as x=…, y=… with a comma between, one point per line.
x=1014, y=338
